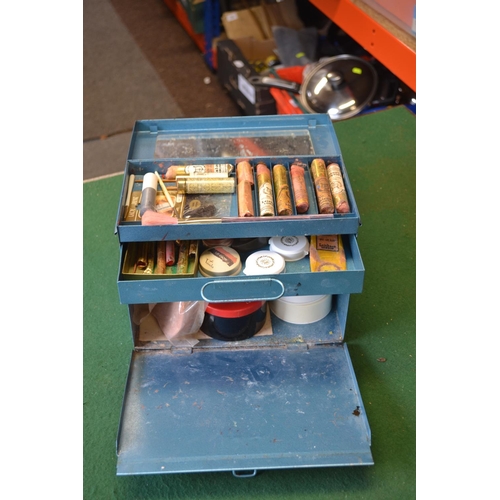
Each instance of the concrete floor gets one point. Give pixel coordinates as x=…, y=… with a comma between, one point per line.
x=138, y=63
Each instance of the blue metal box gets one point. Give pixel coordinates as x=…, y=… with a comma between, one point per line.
x=284, y=400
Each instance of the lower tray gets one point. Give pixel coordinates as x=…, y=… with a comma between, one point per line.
x=297, y=279
x=240, y=410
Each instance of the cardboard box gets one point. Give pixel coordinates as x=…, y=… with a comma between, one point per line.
x=255, y=50
x=283, y=13
x=247, y=23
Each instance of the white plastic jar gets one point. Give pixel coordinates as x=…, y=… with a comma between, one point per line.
x=264, y=262
x=291, y=248
x=302, y=309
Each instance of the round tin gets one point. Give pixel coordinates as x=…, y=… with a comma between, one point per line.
x=264, y=262
x=227, y=242
x=290, y=247
x=219, y=261
x=302, y=310
x=249, y=244
x=232, y=321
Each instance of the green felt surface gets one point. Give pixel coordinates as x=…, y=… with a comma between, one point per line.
x=379, y=151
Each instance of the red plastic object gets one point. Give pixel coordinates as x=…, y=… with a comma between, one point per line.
x=233, y=309
x=285, y=103
x=178, y=11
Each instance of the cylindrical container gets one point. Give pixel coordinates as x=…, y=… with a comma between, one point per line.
x=245, y=200
x=244, y=172
x=292, y=248
x=264, y=262
x=266, y=203
x=299, y=188
x=219, y=261
x=302, y=310
x=282, y=190
x=200, y=185
x=161, y=257
x=225, y=242
x=249, y=244
x=233, y=321
x=214, y=170
x=322, y=187
x=170, y=253
x=338, y=188
x=183, y=259
x=149, y=188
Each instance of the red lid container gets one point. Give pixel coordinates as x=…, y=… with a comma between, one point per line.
x=232, y=321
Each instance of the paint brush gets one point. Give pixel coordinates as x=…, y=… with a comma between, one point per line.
x=131, y=181
x=165, y=191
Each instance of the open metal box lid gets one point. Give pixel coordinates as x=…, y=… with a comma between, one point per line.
x=255, y=136
x=242, y=410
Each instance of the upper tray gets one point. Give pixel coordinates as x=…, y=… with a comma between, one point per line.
x=158, y=144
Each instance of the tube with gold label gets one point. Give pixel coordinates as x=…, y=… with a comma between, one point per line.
x=183, y=260
x=210, y=170
x=338, y=189
x=322, y=187
x=200, y=185
x=282, y=190
x=266, y=202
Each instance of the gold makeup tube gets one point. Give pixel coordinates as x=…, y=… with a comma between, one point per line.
x=322, y=187
x=200, y=185
x=282, y=190
x=338, y=188
x=214, y=170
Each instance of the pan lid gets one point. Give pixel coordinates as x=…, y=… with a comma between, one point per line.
x=340, y=86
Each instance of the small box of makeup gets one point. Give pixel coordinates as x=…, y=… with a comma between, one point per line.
x=238, y=256
x=231, y=175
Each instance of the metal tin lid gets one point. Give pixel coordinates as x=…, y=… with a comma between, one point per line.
x=233, y=309
x=290, y=247
x=303, y=299
x=340, y=86
x=219, y=261
x=264, y=262
x=226, y=242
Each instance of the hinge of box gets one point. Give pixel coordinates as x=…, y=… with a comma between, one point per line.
x=298, y=345
x=181, y=350
x=304, y=346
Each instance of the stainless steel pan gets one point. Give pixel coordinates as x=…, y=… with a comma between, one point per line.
x=341, y=86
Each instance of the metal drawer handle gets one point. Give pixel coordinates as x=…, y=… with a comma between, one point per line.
x=250, y=473
x=257, y=282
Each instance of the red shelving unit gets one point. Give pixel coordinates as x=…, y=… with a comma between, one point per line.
x=176, y=7
x=383, y=41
